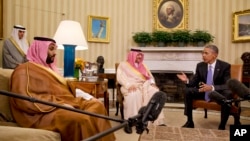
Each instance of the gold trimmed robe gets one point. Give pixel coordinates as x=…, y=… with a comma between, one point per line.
x=36, y=81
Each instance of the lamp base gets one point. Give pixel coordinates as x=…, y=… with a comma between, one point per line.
x=69, y=60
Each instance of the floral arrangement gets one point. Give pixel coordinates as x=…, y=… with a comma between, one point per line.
x=79, y=63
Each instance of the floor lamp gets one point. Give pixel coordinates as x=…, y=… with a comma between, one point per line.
x=69, y=36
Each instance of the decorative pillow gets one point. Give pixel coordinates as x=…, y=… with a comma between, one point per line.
x=5, y=113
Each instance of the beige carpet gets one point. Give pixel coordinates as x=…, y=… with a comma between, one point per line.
x=175, y=118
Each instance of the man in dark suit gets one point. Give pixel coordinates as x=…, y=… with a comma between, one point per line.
x=197, y=87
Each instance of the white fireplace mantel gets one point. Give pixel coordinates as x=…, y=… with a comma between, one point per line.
x=169, y=49
x=171, y=58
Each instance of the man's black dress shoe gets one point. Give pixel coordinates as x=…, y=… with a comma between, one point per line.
x=189, y=124
x=128, y=129
x=237, y=122
x=162, y=125
x=221, y=127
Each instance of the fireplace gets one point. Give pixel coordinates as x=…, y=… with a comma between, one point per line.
x=166, y=62
x=168, y=82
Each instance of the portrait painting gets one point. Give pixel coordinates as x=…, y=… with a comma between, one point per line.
x=170, y=14
x=241, y=26
x=98, y=29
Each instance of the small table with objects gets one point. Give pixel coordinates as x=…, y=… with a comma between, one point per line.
x=100, y=88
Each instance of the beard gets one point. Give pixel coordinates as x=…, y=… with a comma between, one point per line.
x=50, y=59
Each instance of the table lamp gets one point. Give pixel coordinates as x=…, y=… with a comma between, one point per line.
x=69, y=36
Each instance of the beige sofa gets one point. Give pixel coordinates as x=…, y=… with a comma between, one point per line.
x=9, y=130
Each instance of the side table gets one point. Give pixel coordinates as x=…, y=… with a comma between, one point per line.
x=111, y=83
x=100, y=89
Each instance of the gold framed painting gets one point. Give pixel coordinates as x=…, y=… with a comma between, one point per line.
x=170, y=14
x=98, y=29
x=241, y=26
x=1, y=19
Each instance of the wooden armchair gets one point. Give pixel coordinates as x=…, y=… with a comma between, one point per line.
x=119, y=96
x=236, y=72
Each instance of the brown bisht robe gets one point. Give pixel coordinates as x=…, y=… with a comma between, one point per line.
x=36, y=81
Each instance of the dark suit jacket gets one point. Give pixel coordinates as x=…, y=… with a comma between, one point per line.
x=220, y=77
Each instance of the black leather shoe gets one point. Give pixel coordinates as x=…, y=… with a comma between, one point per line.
x=189, y=124
x=221, y=127
x=128, y=129
x=237, y=123
x=162, y=125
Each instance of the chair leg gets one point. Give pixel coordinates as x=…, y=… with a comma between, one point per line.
x=205, y=113
x=237, y=115
x=122, y=112
x=117, y=108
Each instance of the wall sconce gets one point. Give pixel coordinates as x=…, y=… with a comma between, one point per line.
x=69, y=36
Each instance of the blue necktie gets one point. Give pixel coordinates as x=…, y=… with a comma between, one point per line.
x=209, y=81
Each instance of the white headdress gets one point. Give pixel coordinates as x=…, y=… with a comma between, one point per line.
x=23, y=44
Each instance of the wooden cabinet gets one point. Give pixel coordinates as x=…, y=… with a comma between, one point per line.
x=99, y=89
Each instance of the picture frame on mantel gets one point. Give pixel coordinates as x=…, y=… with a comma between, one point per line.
x=241, y=26
x=170, y=14
x=98, y=29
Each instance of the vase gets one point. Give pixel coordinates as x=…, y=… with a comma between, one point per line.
x=181, y=44
x=142, y=44
x=160, y=44
x=76, y=73
x=200, y=43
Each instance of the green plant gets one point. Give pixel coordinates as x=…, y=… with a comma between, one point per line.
x=201, y=35
x=181, y=36
x=161, y=36
x=142, y=37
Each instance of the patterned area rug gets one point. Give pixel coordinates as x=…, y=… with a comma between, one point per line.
x=164, y=133
x=245, y=112
x=245, y=109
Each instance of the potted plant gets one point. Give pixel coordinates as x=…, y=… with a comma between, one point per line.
x=201, y=37
x=142, y=38
x=181, y=37
x=161, y=38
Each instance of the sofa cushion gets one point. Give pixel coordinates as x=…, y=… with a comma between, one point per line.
x=5, y=113
x=8, y=133
x=10, y=130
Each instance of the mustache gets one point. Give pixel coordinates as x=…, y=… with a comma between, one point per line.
x=52, y=55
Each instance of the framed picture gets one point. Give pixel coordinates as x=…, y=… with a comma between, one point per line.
x=170, y=14
x=98, y=29
x=241, y=26
x=1, y=19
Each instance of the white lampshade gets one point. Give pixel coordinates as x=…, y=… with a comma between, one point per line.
x=70, y=33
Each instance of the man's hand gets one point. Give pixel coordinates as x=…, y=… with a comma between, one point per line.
x=182, y=77
x=132, y=88
x=205, y=87
x=153, y=85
